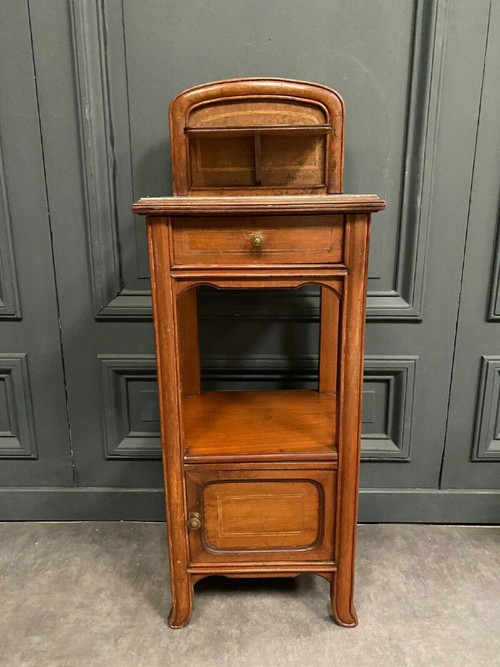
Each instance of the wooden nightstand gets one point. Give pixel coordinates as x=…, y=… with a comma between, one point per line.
x=259, y=483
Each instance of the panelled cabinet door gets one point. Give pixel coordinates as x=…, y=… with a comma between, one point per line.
x=472, y=452
x=255, y=515
x=34, y=433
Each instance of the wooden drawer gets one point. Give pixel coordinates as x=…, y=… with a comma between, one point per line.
x=304, y=239
x=264, y=514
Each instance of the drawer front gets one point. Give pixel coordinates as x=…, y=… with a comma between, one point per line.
x=250, y=515
x=262, y=240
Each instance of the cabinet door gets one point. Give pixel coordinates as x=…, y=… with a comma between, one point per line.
x=34, y=439
x=102, y=285
x=263, y=514
x=472, y=452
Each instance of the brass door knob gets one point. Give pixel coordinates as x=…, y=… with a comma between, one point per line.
x=257, y=241
x=194, y=521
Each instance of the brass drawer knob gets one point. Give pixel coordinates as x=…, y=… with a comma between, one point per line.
x=194, y=521
x=257, y=241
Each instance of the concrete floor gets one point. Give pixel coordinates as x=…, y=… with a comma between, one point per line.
x=97, y=594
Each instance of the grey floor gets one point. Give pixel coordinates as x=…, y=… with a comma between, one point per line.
x=97, y=594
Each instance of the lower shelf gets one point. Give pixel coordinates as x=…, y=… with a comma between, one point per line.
x=242, y=426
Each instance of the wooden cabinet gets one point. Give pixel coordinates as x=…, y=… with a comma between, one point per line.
x=259, y=483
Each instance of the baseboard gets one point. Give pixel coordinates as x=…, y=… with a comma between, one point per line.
x=475, y=506
x=81, y=504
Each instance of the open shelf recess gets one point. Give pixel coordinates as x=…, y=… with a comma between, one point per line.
x=259, y=425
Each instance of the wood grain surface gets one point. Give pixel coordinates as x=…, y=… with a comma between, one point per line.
x=281, y=239
x=259, y=425
x=264, y=204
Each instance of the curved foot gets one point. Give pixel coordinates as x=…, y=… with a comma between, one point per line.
x=346, y=619
x=178, y=619
x=343, y=609
x=182, y=601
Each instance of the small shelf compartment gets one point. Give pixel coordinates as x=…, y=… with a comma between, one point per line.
x=257, y=156
x=259, y=426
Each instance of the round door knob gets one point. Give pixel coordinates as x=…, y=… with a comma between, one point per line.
x=257, y=241
x=194, y=521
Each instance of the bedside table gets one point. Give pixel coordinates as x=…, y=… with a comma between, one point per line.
x=259, y=483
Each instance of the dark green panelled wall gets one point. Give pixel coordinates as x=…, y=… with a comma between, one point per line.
x=83, y=132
